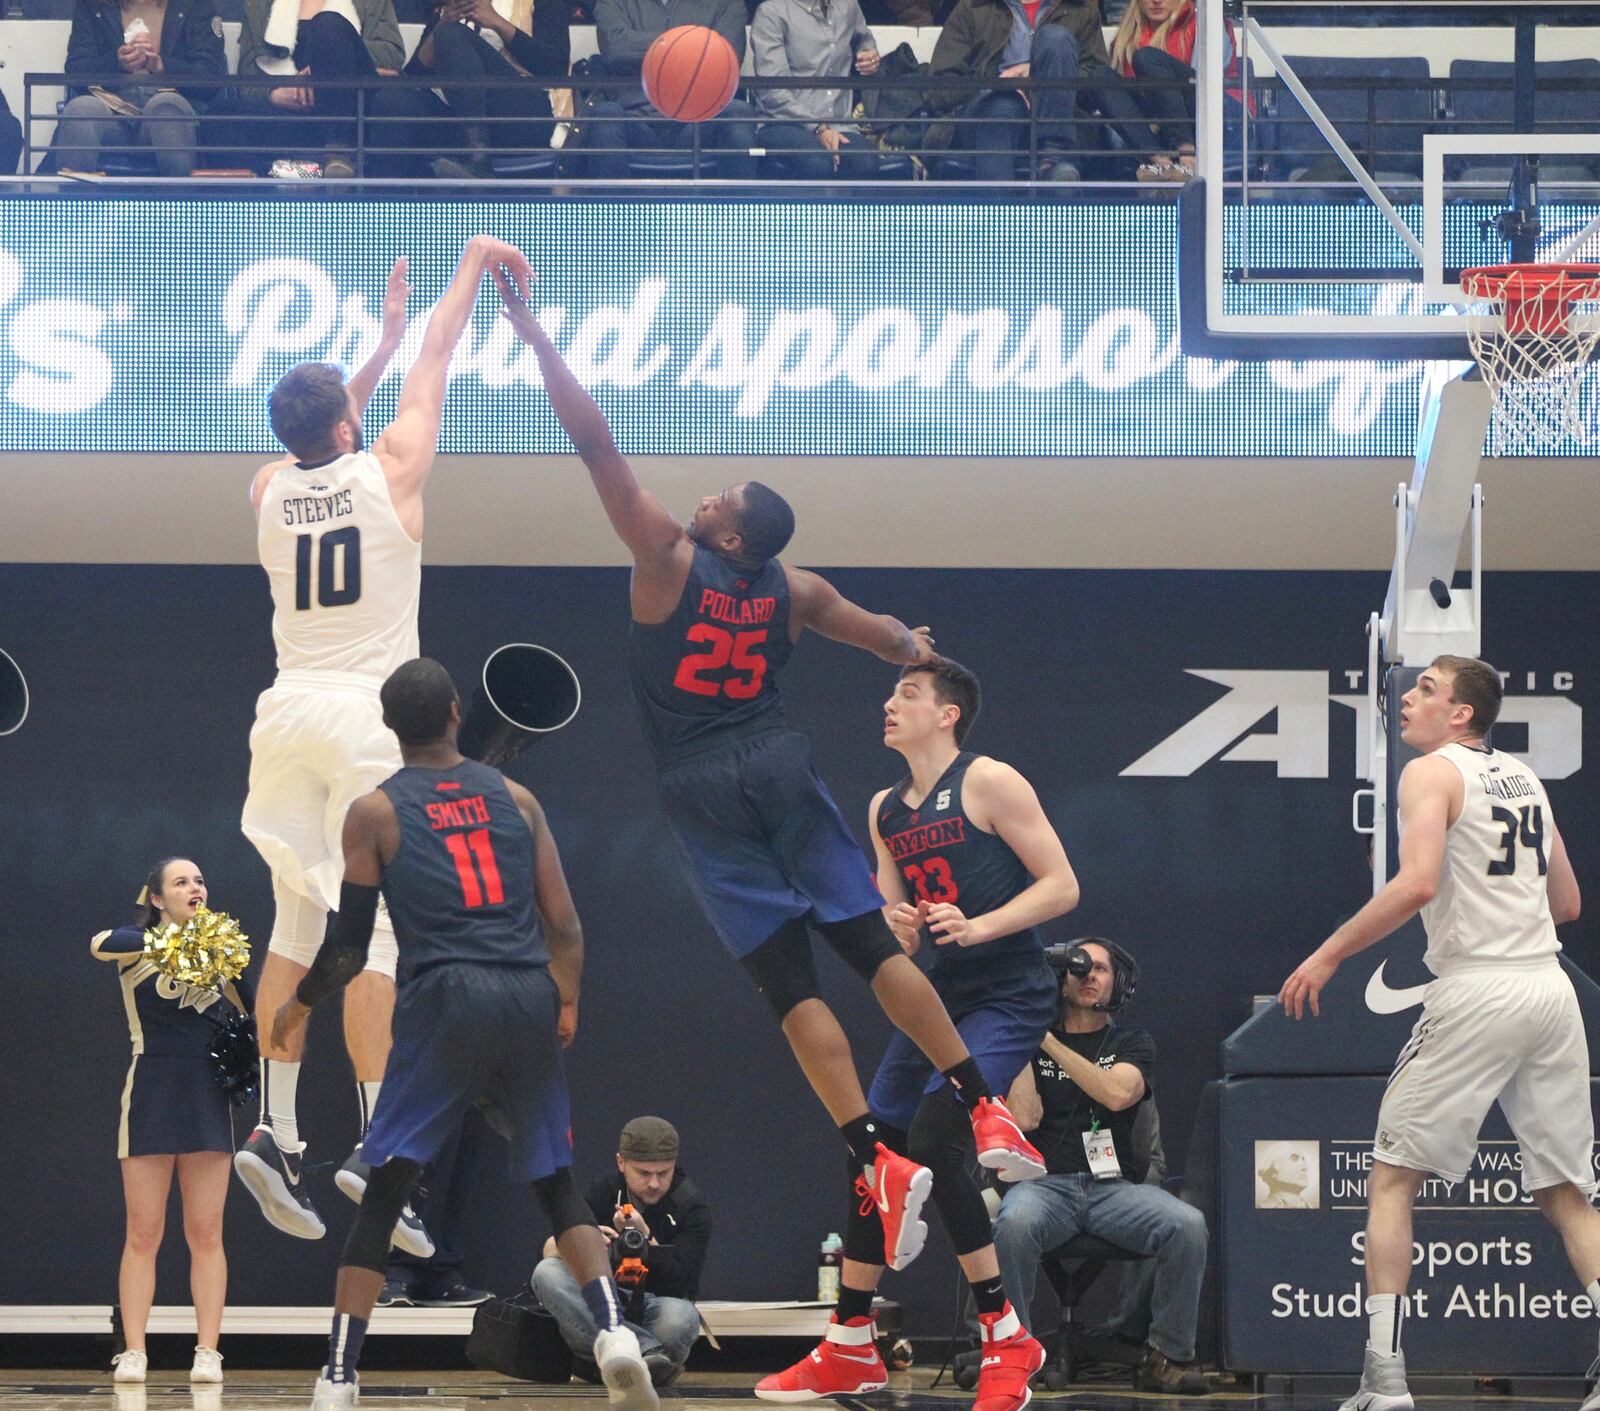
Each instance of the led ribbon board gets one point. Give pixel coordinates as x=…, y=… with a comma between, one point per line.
x=704, y=328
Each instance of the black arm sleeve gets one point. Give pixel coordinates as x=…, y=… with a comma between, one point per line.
x=344, y=954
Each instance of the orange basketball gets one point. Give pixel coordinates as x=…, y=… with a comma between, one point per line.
x=691, y=73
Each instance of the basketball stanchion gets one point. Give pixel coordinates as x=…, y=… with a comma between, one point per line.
x=13, y=695
x=1533, y=331
x=524, y=692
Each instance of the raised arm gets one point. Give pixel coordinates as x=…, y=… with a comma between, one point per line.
x=654, y=538
x=997, y=795
x=817, y=604
x=391, y=333
x=562, y=930
x=1427, y=791
x=408, y=444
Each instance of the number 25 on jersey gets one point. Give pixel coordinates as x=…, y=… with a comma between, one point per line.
x=731, y=664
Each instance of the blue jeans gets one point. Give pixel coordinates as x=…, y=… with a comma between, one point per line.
x=667, y=1326
x=1054, y=55
x=1039, y=1215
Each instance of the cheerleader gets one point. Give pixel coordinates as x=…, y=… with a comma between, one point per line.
x=174, y=1118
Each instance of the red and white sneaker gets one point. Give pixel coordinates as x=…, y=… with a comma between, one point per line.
x=844, y=1363
x=1001, y=1145
x=897, y=1188
x=1010, y=1356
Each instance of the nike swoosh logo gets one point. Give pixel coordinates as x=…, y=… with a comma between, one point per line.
x=851, y=1357
x=1383, y=998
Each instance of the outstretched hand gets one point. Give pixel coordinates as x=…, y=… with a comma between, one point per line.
x=514, y=295
x=922, y=645
x=395, y=294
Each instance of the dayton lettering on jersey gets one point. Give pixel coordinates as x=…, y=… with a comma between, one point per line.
x=312, y=509
x=724, y=607
x=943, y=834
x=458, y=813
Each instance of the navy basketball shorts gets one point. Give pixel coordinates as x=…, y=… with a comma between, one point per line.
x=468, y=1034
x=1001, y=1014
x=763, y=840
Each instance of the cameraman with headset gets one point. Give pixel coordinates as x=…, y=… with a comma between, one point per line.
x=1079, y=1098
x=659, y=1229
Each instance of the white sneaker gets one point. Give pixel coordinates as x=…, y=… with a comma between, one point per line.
x=622, y=1369
x=129, y=1366
x=335, y=1396
x=207, y=1365
x=1592, y=1384
x=1383, y=1385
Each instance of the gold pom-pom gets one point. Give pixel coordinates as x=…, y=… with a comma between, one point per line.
x=208, y=950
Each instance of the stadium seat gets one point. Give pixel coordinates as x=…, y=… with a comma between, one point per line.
x=1384, y=123
x=1477, y=106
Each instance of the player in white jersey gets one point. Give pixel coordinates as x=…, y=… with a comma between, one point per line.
x=1481, y=859
x=340, y=536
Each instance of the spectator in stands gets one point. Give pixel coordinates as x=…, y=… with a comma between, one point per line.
x=323, y=38
x=1156, y=40
x=468, y=41
x=647, y=1193
x=1016, y=39
x=625, y=29
x=810, y=127
x=10, y=139
x=1088, y=1081
x=158, y=45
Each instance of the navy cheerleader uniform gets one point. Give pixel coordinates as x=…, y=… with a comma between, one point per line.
x=171, y=1101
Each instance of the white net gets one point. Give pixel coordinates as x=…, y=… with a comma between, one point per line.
x=1533, y=330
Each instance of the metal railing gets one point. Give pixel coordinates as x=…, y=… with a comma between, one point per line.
x=386, y=142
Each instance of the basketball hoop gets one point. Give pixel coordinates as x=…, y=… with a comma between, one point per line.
x=1534, y=352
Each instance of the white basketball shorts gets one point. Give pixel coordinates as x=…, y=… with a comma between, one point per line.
x=1505, y=1033
x=319, y=743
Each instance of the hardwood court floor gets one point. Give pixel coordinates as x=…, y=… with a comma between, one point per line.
x=707, y=1391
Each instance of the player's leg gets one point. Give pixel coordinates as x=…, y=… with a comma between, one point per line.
x=283, y=817
x=527, y=1093
x=1462, y=1050
x=1547, y=1106
x=146, y=1184
x=361, y=1275
x=784, y=971
x=269, y=1163
x=203, y=1183
x=846, y=1361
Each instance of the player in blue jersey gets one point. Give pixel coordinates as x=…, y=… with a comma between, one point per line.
x=715, y=616
x=490, y=952
x=968, y=863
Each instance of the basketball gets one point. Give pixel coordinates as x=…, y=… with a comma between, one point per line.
x=690, y=73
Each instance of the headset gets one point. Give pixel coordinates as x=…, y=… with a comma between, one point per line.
x=1070, y=958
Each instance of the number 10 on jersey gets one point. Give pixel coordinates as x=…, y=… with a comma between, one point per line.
x=337, y=566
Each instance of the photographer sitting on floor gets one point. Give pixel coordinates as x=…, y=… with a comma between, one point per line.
x=1079, y=1099
x=659, y=1229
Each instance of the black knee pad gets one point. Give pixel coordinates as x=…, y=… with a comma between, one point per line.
x=784, y=969
x=563, y=1207
x=941, y=1132
x=941, y=1139
x=367, y=1246
x=863, y=942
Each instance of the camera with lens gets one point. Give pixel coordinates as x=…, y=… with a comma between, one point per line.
x=628, y=1254
x=1070, y=958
